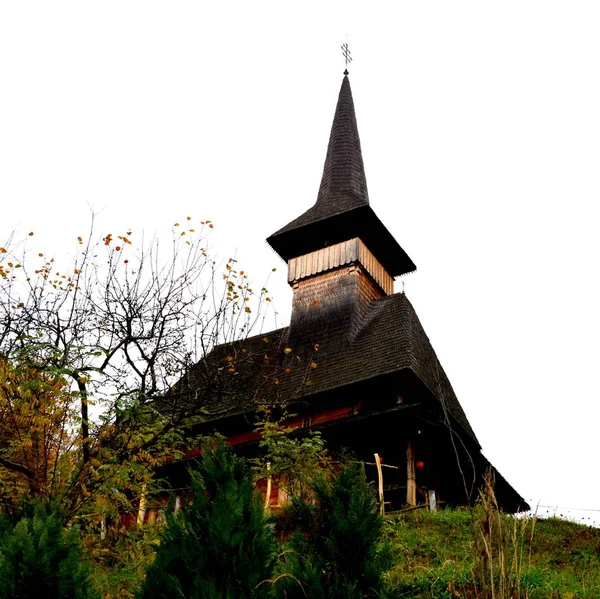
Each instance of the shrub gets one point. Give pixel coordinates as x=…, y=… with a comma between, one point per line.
x=39, y=557
x=336, y=550
x=220, y=544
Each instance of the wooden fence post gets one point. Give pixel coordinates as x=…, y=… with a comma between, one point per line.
x=411, y=484
x=432, y=501
x=380, y=484
x=268, y=490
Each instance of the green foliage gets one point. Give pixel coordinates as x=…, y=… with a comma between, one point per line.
x=122, y=559
x=296, y=459
x=220, y=544
x=40, y=558
x=335, y=551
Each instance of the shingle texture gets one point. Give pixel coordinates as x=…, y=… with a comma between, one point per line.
x=388, y=339
x=342, y=209
x=344, y=185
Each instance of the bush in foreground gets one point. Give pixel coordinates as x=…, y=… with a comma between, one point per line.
x=41, y=558
x=219, y=545
x=336, y=550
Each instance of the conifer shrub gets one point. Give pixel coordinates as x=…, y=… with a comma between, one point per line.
x=336, y=550
x=219, y=544
x=39, y=557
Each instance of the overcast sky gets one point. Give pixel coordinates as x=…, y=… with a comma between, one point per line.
x=480, y=129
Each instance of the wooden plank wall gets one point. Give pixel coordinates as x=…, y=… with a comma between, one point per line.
x=340, y=254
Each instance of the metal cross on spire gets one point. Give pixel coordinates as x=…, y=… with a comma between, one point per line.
x=347, y=56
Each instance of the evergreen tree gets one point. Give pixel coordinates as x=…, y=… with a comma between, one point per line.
x=39, y=557
x=219, y=545
x=335, y=551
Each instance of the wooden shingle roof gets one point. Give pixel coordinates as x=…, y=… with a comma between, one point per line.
x=344, y=184
x=389, y=340
x=342, y=209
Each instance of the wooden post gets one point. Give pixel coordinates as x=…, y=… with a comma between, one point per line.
x=411, y=484
x=380, y=484
x=142, y=509
x=432, y=501
x=268, y=493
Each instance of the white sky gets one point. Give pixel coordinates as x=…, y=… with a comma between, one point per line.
x=480, y=128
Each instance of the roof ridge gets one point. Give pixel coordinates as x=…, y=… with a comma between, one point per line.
x=374, y=309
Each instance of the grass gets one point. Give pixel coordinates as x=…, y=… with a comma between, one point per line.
x=483, y=554
x=453, y=553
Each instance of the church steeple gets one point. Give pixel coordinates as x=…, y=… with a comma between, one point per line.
x=342, y=211
x=343, y=185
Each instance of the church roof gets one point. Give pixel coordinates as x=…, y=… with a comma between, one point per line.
x=344, y=184
x=342, y=209
x=389, y=340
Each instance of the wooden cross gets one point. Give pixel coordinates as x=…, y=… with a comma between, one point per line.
x=347, y=55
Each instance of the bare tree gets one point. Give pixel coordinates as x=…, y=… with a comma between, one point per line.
x=123, y=323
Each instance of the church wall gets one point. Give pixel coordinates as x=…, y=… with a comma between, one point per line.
x=328, y=307
x=341, y=254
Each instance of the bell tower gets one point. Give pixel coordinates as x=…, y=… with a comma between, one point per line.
x=340, y=255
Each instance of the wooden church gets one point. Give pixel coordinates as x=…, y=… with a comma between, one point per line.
x=354, y=362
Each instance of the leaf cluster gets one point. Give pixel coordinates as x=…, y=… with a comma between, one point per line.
x=36, y=433
x=294, y=457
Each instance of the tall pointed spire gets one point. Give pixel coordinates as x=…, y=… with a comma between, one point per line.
x=344, y=185
x=342, y=210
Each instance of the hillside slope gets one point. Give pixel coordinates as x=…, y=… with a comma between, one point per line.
x=458, y=553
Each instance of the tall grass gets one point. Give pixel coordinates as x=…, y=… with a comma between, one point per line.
x=501, y=549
